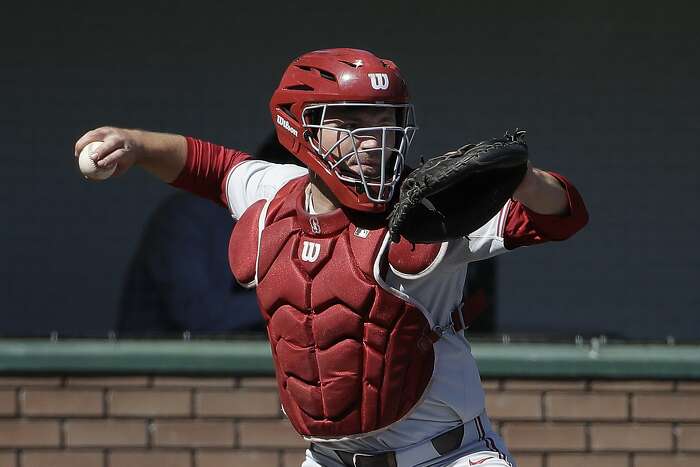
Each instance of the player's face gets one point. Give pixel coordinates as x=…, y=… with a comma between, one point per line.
x=367, y=142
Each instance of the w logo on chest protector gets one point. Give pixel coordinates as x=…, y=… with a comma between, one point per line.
x=310, y=252
x=379, y=81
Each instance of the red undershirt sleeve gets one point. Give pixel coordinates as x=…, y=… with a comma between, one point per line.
x=207, y=168
x=526, y=227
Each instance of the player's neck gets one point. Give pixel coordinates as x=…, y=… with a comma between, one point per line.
x=321, y=196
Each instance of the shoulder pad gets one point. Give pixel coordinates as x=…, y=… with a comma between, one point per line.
x=243, y=245
x=413, y=260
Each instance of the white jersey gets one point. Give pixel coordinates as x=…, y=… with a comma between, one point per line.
x=455, y=394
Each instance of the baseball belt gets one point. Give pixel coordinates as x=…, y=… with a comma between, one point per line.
x=442, y=444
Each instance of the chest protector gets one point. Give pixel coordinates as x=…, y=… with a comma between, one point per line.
x=349, y=351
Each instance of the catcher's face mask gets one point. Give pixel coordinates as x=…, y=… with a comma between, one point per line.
x=363, y=145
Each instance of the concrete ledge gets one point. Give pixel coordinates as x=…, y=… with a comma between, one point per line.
x=614, y=361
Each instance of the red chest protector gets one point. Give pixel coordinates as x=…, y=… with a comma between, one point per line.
x=346, y=348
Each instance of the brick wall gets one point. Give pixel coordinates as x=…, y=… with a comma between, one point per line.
x=216, y=422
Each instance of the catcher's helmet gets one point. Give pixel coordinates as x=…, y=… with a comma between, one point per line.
x=344, y=78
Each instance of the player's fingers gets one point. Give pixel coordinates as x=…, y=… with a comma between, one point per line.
x=111, y=158
x=110, y=144
x=98, y=134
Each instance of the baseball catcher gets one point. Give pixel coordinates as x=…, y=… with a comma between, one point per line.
x=359, y=263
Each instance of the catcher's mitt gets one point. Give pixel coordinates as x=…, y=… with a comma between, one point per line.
x=451, y=195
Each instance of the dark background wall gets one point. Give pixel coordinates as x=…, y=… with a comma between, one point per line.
x=608, y=95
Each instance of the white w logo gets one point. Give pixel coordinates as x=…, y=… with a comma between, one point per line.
x=310, y=252
x=379, y=80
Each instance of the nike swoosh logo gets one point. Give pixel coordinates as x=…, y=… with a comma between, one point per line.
x=480, y=461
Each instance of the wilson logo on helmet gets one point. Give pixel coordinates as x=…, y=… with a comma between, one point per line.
x=285, y=124
x=379, y=81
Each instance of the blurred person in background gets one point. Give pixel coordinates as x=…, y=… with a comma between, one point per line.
x=179, y=278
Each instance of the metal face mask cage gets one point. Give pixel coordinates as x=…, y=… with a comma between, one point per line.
x=379, y=189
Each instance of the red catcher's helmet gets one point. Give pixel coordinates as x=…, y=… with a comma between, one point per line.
x=345, y=78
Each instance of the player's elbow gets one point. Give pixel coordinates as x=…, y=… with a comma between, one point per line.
x=571, y=224
x=577, y=217
x=576, y=222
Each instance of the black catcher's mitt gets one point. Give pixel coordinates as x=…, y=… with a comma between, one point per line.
x=451, y=195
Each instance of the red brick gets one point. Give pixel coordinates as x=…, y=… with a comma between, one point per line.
x=587, y=460
x=544, y=436
x=585, y=406
x=8, y=459
x=491, y=384
x=107, y=433
x=543, y=385
x=688, y=386
x=666, y=460
x=150, y=459
x=61, y=402
x=237, y=458
x=8, y=402
x=24, y=433
x=293, y=457
x=632, y=386
x=194, y=433
x=149, y=403
x=258, y=382
x=514, y=405
x=672, y=407
x=631, y=437
x=273, y=433
x=688, y=437
x=237, y=403
x=30, y=381
x=528, y=460
x=62, y=459
x=192, y=382
x=107, y=381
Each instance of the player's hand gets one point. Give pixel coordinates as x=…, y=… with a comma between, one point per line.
x=120, y=146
